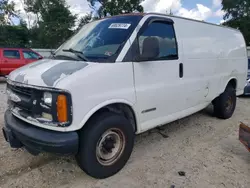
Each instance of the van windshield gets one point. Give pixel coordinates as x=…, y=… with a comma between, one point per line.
x=99, y=41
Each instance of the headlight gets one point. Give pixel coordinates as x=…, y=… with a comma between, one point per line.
x=47, y=98
x=56, y=107
x=47, y=116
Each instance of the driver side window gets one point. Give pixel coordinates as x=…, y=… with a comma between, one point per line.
x=158, y=42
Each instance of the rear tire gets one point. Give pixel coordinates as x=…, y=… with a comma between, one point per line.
x=225, y=104
x=106, y=143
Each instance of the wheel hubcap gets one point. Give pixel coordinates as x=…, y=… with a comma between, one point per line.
x=110, y=146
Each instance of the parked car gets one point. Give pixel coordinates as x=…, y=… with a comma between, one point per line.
x=118, y=77
x=13, y=58
x=247, y=87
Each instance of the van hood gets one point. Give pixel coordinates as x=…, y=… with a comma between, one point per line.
x=46, y=72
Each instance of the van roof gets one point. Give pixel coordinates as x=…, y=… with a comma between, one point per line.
x=173, y=16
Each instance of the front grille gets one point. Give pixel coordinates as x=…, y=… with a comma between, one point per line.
x=24, y=98
x=20, y=90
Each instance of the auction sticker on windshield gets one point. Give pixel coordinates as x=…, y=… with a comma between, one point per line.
x=119, y=26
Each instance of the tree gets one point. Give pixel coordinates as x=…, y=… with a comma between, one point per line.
x=11, y=35
x=54, y=25
x=14, y=36
x=7, y=11
x=237, y=16
x=114, y=7
x=84, y=20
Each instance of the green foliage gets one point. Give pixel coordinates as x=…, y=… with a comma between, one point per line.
x=238, y=16
x=55, y=22
x=84, y=20
x=7, y=11
x=35, y=6
x=10, y=35
x=14, y=36
x=115, y=7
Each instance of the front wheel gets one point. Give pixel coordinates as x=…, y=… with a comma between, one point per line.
x=225, y=104
x=106, y=144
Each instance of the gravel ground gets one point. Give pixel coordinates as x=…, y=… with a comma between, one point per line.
x=205, y=148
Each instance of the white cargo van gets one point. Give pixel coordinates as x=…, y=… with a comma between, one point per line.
x=118, y=77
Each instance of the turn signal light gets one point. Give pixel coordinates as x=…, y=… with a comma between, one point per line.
x=62, y=108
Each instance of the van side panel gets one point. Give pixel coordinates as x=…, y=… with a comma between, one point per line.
x=212, y=56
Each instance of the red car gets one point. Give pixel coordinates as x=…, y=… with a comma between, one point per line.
x=13, y=58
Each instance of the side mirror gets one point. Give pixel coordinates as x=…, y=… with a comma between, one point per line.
x=146, y=57
x=150, y=49
x=40, y=57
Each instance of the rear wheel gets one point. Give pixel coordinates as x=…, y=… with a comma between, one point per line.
x=225, y=104
x=106, y=144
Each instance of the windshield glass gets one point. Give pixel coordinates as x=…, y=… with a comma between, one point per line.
x=100, y=41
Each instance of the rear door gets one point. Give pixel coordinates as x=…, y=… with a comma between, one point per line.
x=30, y=56
x=11, y=60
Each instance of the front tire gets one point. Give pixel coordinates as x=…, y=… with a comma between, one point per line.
x=224, y=105
x=106, y=144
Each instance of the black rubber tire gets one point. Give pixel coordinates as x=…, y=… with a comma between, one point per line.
x=89, y=136
x=220, y=103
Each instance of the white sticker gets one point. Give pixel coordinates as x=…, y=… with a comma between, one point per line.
x=119, y=26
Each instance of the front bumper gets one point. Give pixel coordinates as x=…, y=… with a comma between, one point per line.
x=36, y=140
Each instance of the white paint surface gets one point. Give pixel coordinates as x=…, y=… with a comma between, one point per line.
x=211, y=57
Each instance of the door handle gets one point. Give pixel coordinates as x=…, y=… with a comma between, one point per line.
x=5, y=61
x=181, y=70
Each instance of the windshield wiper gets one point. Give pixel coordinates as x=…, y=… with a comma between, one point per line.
x=77, y=53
